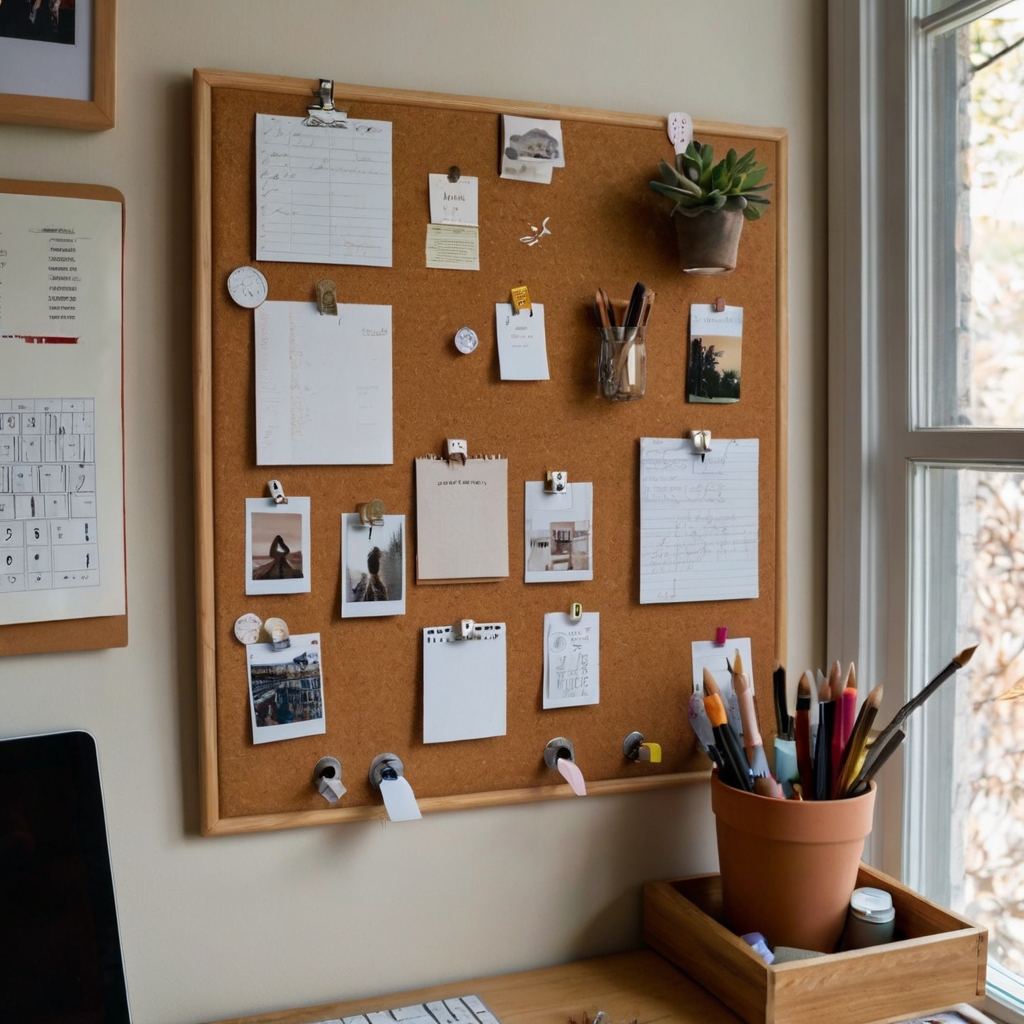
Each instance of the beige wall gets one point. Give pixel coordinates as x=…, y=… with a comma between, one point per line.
x=220, y=927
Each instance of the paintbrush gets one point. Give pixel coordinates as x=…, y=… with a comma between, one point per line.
x=753, y=745
x=802, y=735
x=823, y=740
x=875, y=760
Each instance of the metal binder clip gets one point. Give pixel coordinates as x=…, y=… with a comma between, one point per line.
x=454, y=174
x=326, y=297
x=701, y=442
x=719, y=304
x=324, y=113
x=465, y=629
x=575, y=611
x=327, y=779
x=521, y=299
x=556, y=481
x=635, y=749
x=277, y=492
x=456, y=448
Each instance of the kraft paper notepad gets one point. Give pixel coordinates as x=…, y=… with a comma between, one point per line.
x=461, y=520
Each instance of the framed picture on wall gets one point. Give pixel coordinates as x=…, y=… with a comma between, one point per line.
x=57, y=63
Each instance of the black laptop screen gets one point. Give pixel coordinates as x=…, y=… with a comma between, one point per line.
x=60, y=955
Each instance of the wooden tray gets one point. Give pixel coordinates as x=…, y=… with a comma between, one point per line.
x=938, y=959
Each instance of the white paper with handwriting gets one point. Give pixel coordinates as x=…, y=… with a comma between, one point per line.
x=323, y=195
x=323, y=385
x=698, y=520
x=572, y=660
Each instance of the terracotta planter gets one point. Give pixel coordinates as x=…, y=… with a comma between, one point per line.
x=789, y=867
x=708, y=243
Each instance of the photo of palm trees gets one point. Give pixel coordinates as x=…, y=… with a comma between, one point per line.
x=713, y=373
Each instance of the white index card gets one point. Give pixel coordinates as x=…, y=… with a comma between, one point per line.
x=453, y=202
x=522, y=345
x=323, y=195
x=698, y=520
x=572, y=665
x=323, y=385
x=463, y=683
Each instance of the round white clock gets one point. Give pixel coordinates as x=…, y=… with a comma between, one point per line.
x=247, y=286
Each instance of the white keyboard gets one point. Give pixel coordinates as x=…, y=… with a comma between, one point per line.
x=458, y=1010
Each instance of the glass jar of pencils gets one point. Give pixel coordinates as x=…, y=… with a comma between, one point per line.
x=622, y=370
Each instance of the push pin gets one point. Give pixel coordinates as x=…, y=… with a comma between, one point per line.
x=371, y=514
x=556, y=481
x=719, y=304
x=575, y=612
x=721, y=635
x=560, y=755
x=465, y=629
x=327, y=779
x=277, y=492
x=327, y=297
x=635, y=749
x=454, y=174
x=701, y=442
x=456, y=448
x=277, y=630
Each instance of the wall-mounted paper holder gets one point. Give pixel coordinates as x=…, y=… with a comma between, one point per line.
x=327, y=779
x=560, y=754
x=556, y=481
x=634, y=748
x=277, y=492
x=387, y=773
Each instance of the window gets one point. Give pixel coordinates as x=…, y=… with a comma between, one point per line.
x=926, y=448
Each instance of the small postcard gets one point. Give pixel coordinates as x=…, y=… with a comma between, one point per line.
x=453, y=247
x=286, y=690
x=531, y=140
x=372, y=567
x=277, y=546
x=716, y=343
x=454, y=202
x=571, y=660
x=522, y=345
x=559, y=533
x=706, y=654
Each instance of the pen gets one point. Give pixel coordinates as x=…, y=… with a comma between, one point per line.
x=853, y=755
x=802, y=735
x=849, y=705
x=725, y=739
x=782, y=722
x=835, y=755
x=823, y=741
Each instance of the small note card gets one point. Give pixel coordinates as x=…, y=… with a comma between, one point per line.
x=698, y=520
x=522, y=346
x=453, y=247
x=530, y=148
x=453, y=202
x=571, y=660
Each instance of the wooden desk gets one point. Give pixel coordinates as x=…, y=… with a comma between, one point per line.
x=626, y=986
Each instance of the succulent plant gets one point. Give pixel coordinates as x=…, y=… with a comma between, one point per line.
x=696, y=184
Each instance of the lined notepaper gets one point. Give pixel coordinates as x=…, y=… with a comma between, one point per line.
x=698, y=520
x=323, y=193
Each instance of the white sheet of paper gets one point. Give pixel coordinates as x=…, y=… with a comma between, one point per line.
x=461, y=519
x=522, y=345
x=572, y=660
x=323, y=385
x=559, y=533
x=453, y=247
x=364, y=592
x=463, y=683
x=520, y=170
x=533, y=140
x=454, y=202
x=61, y=446
x=399, y=799
x=706, y=654
x=286, y=690
x=323, y=195
x=698, y=520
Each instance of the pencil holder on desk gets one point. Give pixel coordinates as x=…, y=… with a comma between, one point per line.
x=789, y=867
x=622, y=370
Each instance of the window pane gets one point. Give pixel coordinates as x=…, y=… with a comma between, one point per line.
x=968, y=544
x=974, y=372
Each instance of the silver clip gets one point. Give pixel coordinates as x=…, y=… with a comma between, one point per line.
x=326, y=297
x=465, y=629
x=456, y=448
x=556, y=481
x=277, y=492
x=324, y=114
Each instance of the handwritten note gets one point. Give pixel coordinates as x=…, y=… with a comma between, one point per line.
x=571, y=660
x=323, y=194
x=698, y=520
x=453, y=247
x=522, y=343
x=454, y=202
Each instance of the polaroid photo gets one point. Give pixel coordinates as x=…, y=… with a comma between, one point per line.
x=531, y=140
x=286, y=690
x=372, y=567
x=559, y=533
x=277, y=546
x=716, y=344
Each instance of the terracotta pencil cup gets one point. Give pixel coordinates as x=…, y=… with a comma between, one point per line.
x=789, y=867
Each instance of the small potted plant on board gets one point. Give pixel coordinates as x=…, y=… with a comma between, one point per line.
x=710, y=202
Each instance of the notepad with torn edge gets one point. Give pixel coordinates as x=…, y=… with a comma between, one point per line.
x=461, y=520
x=463, y=683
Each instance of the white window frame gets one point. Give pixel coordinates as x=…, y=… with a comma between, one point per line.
x=878, y=236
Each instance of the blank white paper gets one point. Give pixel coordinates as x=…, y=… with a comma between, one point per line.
x=323, y=385
x=698, y=520
x=463, y=683
x=522, y=344
x=323, y=194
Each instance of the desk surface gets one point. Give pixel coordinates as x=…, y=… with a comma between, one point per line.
x=627, y=986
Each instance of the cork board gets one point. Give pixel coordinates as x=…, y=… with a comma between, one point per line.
x=608, y=230
x=100, y=631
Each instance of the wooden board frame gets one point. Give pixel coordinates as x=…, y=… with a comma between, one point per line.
x=100, y=631
x=96, y=114
x=213, y=759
